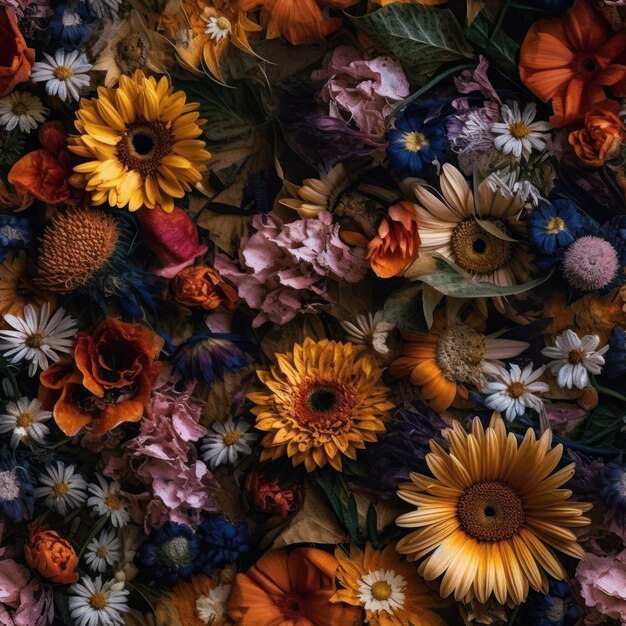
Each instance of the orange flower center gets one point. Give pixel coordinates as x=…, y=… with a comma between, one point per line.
x=113, y=503
x=59, y=490
x=232, y=437
x=63, y=73
x=144, y=145
x=414, y=142
x=24, y=420
x=324, y=405
x=555, y=226
x=381, y=590
x=476, y=250
x=575, y=357
x=519, y=130
x=98, y=601
x=516, y=389
x=491, y=511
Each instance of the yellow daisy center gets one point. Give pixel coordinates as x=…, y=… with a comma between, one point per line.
x=223, y=23
x=381, y=590
x=477, y=251
x=59, y=490
x=519, y=130
x=414, y=142
x=516, y=389
x=143, y=146
x=575, y=357
x=24, y=420
x=555, y=226
x=98, y=601
x=459, y=354
x=101, y=552
x=63, y=72
x=491, y=511
x=35, y=340
x=113, y=503
x=232, y=437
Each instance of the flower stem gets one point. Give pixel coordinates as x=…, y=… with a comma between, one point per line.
x=605, y=391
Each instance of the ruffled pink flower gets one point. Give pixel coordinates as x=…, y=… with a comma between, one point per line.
x=283, y=269
x=362, y=91
x=603, y=584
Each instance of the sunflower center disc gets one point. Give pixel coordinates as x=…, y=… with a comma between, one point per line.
x=144, y=145
x=491, y=511
x=476, y=250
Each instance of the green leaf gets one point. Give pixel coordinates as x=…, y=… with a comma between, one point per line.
x=372, y=526
x=500, y=49
x=422, y=37
x=405, y=309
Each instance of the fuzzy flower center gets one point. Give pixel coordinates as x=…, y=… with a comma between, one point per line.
x=231, y=438
x=175, y=552
x=554, y=226
x=35, y=340
x=101, y=552
x=144, y=145
x=491, y=511
x=478, y=251
x=574, y=357
x=19, y=108
x=414, y=142
x=113, y=502
x=59, y=490
x=24, y=420
x=324, y=406
x=519, y=130
x=71, y=18
x=62, y=72
x=381, y=590
x=516, y=389
x=98, y=601
x=9, y=486
x=590, y=263
x=132, y=52
x=460, y=352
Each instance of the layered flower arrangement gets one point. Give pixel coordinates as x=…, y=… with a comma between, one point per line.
x=312, y=312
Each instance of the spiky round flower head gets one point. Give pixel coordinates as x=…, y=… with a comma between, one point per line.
x=590, y=263
x=488, y=517
x=76, y=245
x=140, y=144
x=323, y=400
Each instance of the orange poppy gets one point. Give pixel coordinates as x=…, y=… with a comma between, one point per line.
x=291, y=590
x=51, y=555
x=110, y=381
x=571, y=59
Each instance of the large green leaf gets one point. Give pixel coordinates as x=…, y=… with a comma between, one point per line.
x=422, y=37
x=500, y=49
x=405, y=309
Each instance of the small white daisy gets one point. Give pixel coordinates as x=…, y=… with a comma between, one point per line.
x=518, y=134
x=37, y=337
x=218, y=28
x=513, y=391
x=226, y=442
x=24, y=420
x=65, y=74
x=103, y=551
x=382, y=590
x=22, y=109
x=64, y=488
x=574, y=358
x=370, y=330
x=211, y=608
x=94, y=603
x=108, y=499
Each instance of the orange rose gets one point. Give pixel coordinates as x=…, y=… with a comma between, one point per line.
x=602, y=136
x=16, y=59
x=202, y=286
x=110, y=381
x=396, y=245
x=51, y=555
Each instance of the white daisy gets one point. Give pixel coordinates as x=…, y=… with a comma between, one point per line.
x=370, y=330
x=512, y=392
x=93, y=603
x=518, y=134
x=65, y=74
x=218, y=28
x=37, y=337
x=64, y=488
x=103, y=551
x=227, y=442
x=24, y=420
x=211, y=608
x=574, y=358
x=22, y=109
x=108, y=499
x=393, y=584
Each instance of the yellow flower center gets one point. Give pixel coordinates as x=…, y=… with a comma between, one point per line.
x=519, y=130
x=98, y=601
x=477, y=251
x=491, y=511
x=101, y=552
x=113, y=503
x=35, y=340
x=555, y=226
x=516, y=389
x=59, y=490
x=459, y=354
x=63, y=72
x=24, y=420
x=575, y=357
x=20, y=109
x=232, y=438
x=414, y=142
x=381, y=590
x=223, y=23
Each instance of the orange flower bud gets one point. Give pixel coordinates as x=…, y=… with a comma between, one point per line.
x=602, y=136
x=17, y=58
x=396, y=245
x=202, y=286
x=51, y=555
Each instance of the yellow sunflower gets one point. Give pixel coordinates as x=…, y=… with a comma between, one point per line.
x=390, y=590
x=140, y=142
x=490, y=517
x=323, y=400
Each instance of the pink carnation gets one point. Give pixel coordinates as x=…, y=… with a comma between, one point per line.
x=283, y=268
x=603, y=584
x=362, y=91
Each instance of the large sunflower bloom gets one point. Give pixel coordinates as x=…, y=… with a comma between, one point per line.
x=570, y=60
x=481, y=234
x=140, y=142
x=491, y=515
x=389, y=589
x=323, y=400
x=451, y=357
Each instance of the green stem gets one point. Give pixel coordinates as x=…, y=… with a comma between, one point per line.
x=13, y=381
x=605, y=391
x=525, y=7
x=95, y=530
x=498, y=25
x=513, y=617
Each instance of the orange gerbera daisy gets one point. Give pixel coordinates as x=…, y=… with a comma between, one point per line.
x=290, y=590
x=449, y=358
x=571, y=59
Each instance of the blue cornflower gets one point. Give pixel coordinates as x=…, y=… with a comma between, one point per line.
x=552, y=226
x=71, y=27
x=615, y=358
x=221, y=542
x=15, y=234
x=557, y=608
x=17, y=495
x=415, y=143
x=169, y=553
x=614, y=485
x=205, y=356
